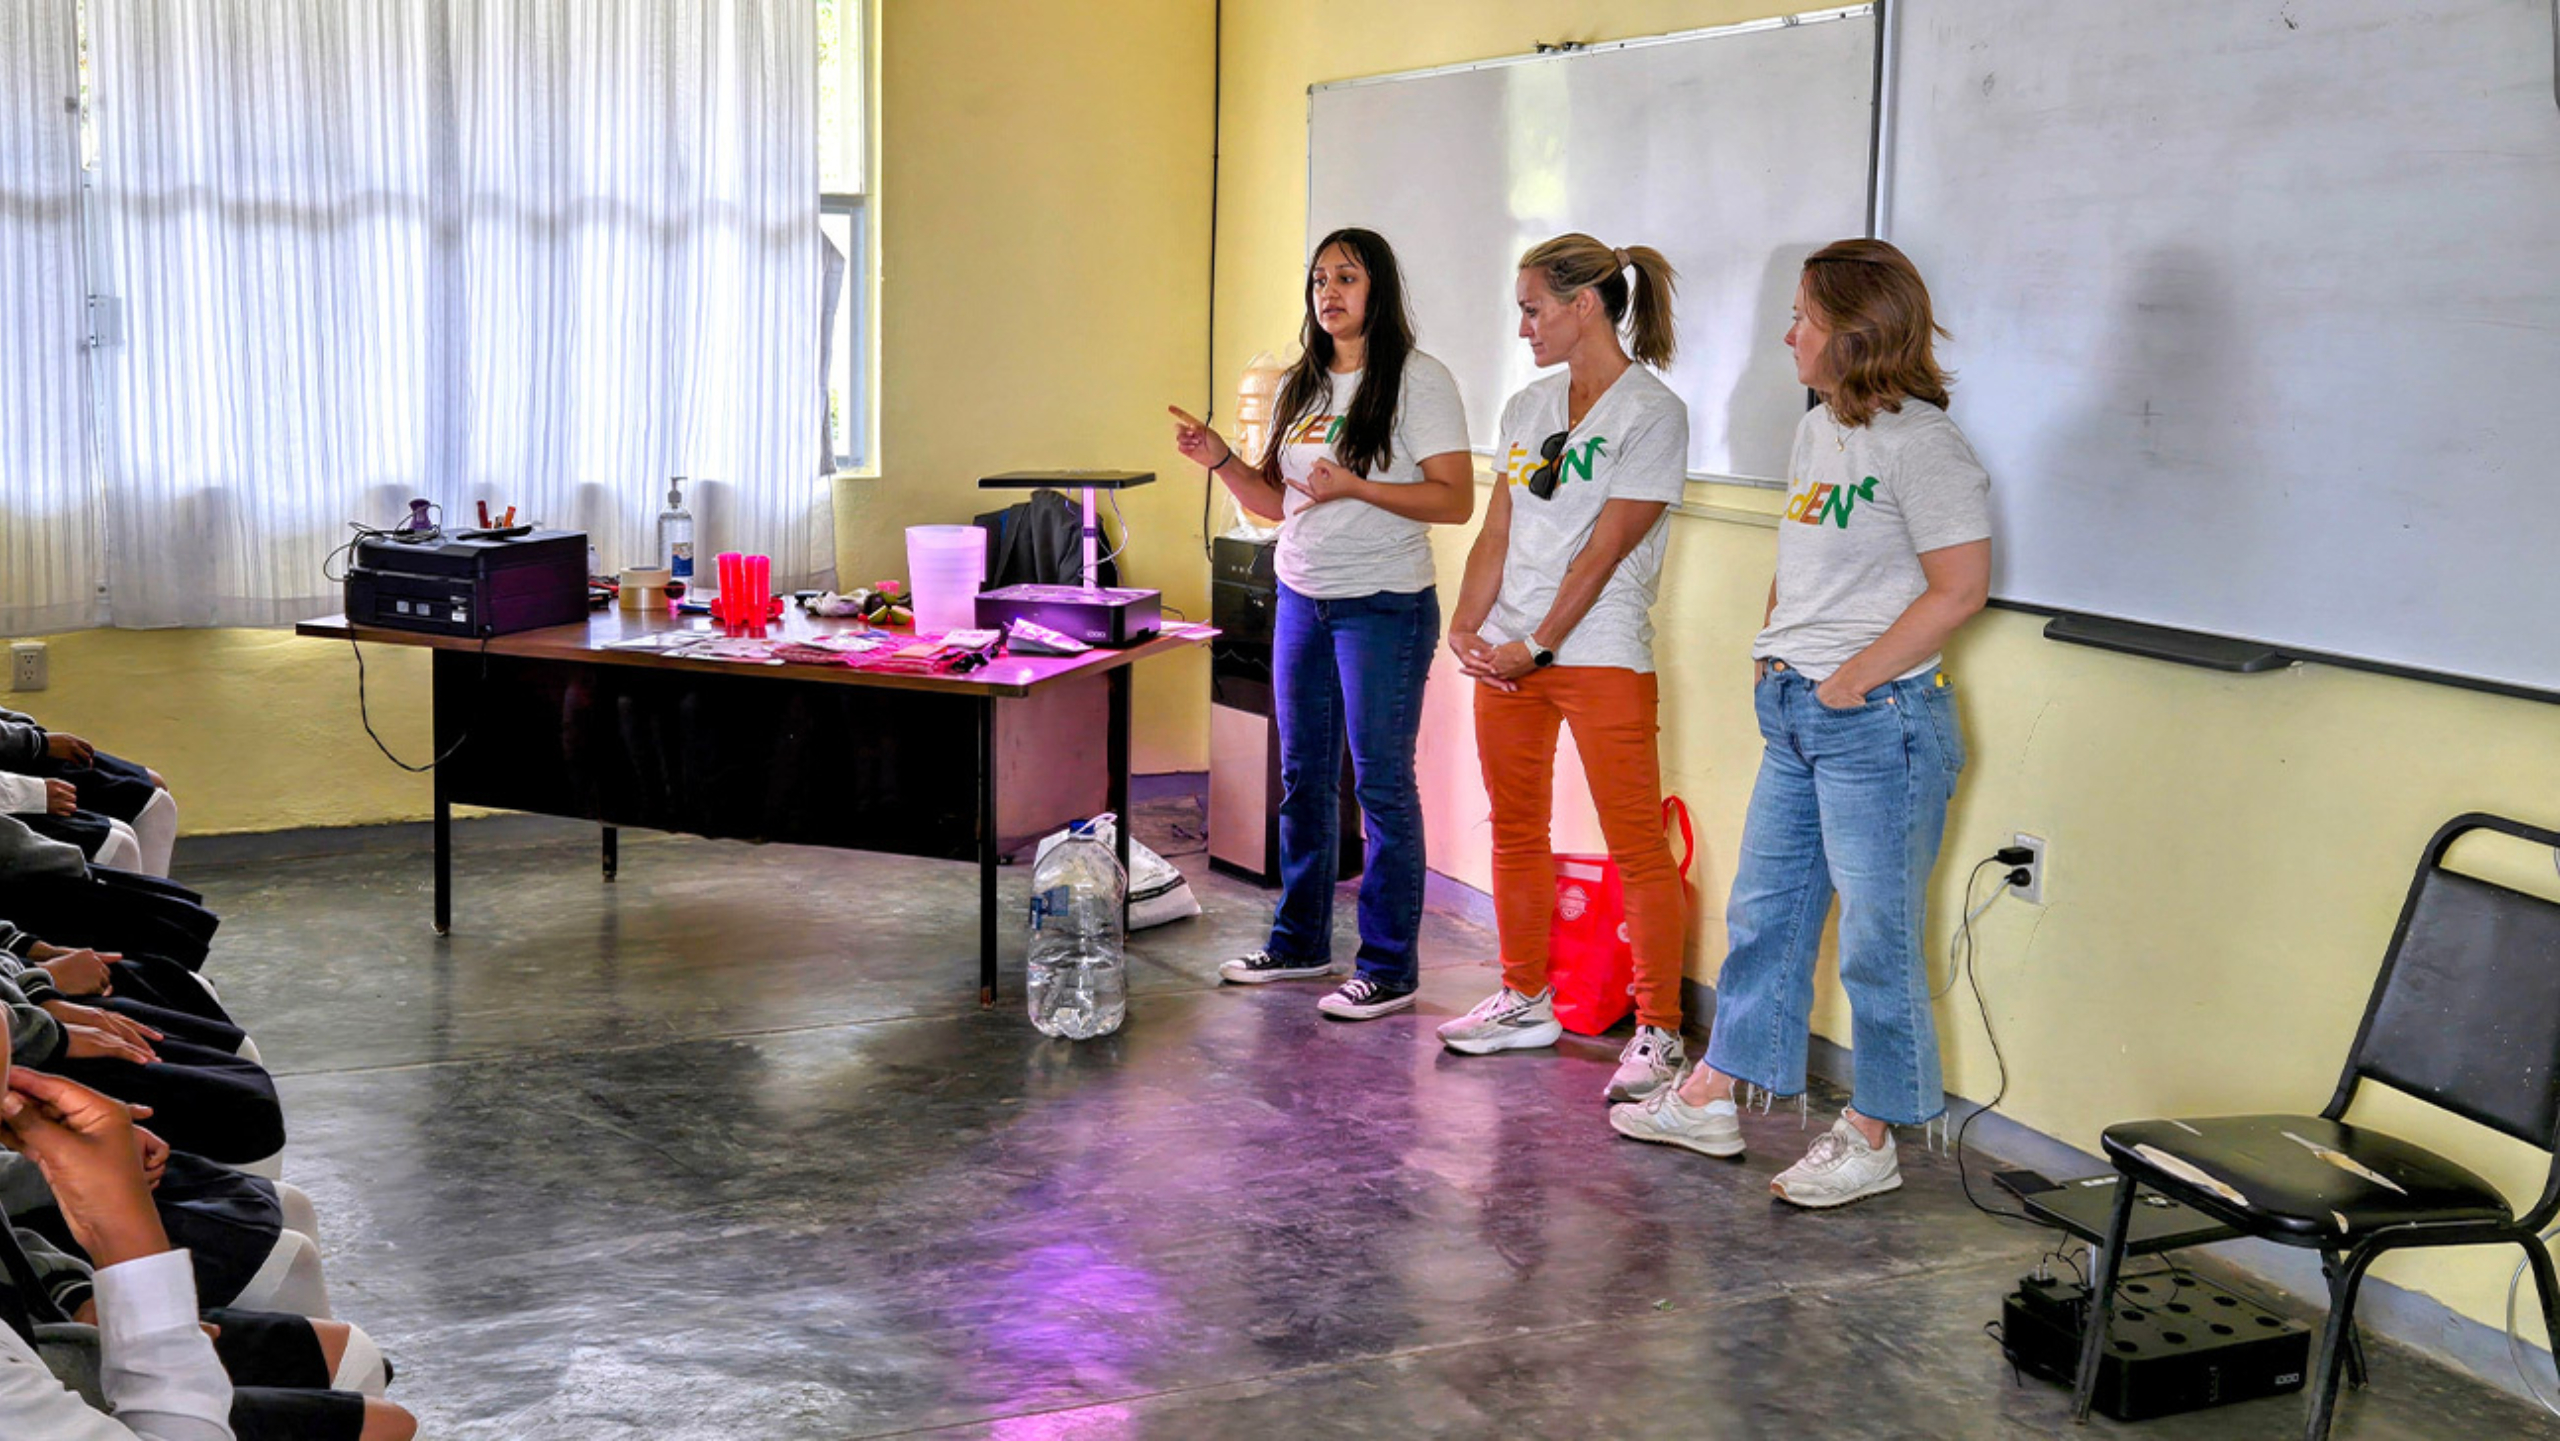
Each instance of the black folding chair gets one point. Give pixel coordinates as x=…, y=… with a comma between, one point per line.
x=2466, y=1016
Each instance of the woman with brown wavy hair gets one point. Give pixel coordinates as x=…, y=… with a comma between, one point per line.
x=1884, y=551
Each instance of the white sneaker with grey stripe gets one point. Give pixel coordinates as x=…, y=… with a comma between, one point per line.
x=1650, y=1062
x=1504, y=1021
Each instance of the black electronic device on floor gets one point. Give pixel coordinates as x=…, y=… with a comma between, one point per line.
x=2174, y=1343
x=473, y=588
x=1244, y=729
x=1096, y=615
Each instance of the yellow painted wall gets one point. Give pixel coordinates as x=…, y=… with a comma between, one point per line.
x=2228, y=852
x=254, y=730
x=1044, y=286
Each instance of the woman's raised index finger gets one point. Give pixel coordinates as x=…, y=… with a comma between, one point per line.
x=1187, y=418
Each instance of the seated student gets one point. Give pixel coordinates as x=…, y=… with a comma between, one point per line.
x=103, y=785
x=52, y=809
x=254, y=1243
x=293, y=1378
x=158, y=1373
x=41, y=988
x=159, y=986
x=50, y=888
x=214, y=1104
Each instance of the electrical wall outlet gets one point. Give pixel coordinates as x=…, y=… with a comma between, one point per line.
x=26, y=665
x=2033, y=891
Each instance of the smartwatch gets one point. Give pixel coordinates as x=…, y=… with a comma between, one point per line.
x=1539, y=655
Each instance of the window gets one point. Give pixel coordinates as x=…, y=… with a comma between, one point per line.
x=843, y=150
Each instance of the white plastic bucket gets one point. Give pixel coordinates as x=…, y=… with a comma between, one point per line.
x=946, y=565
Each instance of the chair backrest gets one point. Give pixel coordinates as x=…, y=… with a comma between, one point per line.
x=2466, y=1012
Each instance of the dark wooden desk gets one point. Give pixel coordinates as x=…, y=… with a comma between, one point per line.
x=953, y=767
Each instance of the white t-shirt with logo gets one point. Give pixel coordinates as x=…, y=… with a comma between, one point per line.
x=1346, y=548
x=1863, y=505
x=1633, y=444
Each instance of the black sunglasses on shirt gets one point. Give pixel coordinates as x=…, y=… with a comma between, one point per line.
x=1542, y=481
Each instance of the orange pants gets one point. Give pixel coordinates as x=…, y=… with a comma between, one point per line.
x=1613, y=714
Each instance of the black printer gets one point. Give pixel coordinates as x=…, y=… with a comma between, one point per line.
x=469, y=587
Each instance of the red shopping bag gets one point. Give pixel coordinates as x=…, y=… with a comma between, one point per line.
x=1589, y=961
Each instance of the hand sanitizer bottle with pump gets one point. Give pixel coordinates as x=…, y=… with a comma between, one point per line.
x=675, y=534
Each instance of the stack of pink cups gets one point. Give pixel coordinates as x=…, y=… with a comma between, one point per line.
x=746, y=588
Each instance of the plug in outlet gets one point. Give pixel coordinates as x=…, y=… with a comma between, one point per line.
x=26, y=665
x=2033, y=891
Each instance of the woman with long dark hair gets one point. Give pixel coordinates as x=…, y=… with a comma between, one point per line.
x=1368, y=451
x=1885, y=551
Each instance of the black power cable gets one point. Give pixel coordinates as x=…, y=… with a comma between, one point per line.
x=364, y=711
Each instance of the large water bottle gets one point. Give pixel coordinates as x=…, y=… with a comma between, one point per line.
x=1079, y=982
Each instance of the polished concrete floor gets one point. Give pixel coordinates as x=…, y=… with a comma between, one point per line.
x=729, y=1150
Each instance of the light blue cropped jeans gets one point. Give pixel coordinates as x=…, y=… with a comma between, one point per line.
x=1851, y=802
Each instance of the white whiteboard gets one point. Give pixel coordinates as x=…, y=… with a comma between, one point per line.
x=2256, y=311
x=1736, y=152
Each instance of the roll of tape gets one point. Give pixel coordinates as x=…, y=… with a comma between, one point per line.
x=644, y=587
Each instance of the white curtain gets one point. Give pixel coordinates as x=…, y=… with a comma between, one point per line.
x=49, y=528
x=543, y=253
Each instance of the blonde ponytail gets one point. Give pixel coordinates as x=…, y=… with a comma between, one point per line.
x=1571, y=264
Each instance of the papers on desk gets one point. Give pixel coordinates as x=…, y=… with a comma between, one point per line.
x=702, y=645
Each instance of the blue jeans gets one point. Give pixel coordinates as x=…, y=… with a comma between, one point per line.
x=1852, y=801
x=1365, y=659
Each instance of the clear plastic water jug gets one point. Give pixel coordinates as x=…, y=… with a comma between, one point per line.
x=1079, y=980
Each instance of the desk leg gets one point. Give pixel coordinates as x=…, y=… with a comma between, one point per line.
x=1116, y=760
x=987, y=851
x=612, y=853
x=444, y=856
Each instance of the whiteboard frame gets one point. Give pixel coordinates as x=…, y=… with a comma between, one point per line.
x=1877, y=12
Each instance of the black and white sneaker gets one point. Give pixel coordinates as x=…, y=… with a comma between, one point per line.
x=1258, y=967
x=1362, y=999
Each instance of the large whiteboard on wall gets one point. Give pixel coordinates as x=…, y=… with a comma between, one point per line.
x=1735, y=151
x=2256, y=309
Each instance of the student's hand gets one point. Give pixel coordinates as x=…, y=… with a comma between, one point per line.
x=153, y=1152
x=70, y=748
x=73, y=1014
x=1327, y=481
x=79, y=973
x=88, y=1043
x=157, y=784
x=1836, y=696
x=83, y=1142
x=61, y=798
x=1198, y=443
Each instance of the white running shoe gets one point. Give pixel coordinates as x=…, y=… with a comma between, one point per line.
x=1840, y=1167
x=1504, y=1021
x=1714, y=1129
x=1650, y=1062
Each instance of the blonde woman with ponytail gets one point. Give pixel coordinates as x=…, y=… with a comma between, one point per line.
x=1554, y=623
